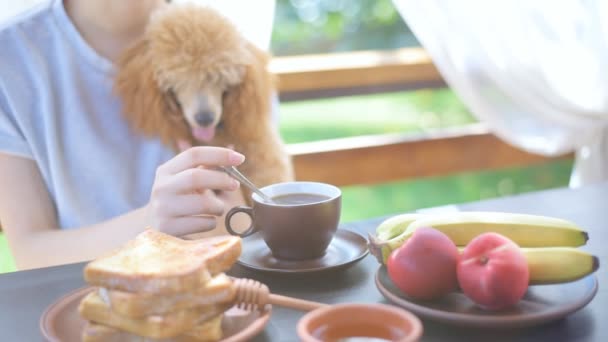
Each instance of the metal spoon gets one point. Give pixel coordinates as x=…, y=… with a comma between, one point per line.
x=236, y=174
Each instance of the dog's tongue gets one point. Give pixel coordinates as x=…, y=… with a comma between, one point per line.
x=204, y=134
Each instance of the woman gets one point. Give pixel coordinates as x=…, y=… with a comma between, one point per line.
x=75, y=181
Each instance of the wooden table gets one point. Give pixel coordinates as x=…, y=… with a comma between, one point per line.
x=25, y=295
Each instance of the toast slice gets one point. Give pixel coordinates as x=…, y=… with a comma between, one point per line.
x=218, y=290
x=93, y=308
x=155, y=262
x=207, y=331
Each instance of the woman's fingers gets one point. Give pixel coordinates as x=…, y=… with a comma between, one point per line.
x=180, y=226
x=182, y=201
x=201, y=155
x=192, y=204
x=183, y=145
x=196, y=179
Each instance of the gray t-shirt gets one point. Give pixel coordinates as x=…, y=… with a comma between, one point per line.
x=57, y=108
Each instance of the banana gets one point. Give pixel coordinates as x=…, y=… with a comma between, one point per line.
x=554, y=265
x=395, y=225
x=462, y=227
x=387, y=230
x=525, y=230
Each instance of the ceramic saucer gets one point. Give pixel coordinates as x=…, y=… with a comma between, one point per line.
x=345, y=249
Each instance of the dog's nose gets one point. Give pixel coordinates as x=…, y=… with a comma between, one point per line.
x=204, y=118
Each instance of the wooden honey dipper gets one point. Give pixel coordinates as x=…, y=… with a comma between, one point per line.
x=251, y=295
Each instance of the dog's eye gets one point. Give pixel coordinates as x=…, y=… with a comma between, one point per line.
x=173, y=103
x=227, y=91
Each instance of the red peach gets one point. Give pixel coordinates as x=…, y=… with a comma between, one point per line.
x=424, y=267
x=493, y=272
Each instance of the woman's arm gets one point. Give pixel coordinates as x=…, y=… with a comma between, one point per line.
x=29, y=221
x=180, y=204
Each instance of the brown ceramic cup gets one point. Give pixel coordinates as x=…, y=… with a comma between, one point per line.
x=377, y=322
x=299, y=225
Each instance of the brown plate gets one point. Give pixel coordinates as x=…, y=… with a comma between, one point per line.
x=345, y=249
x=541, y=304
x=61, y=321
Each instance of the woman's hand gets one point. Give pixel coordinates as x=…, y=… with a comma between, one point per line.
x=183, y=200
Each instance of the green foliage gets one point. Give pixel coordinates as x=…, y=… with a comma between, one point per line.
x=360, y=202
x=413, y=111
x=7, y=263
x=320, y=26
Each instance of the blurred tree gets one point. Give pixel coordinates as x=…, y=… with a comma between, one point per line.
x=323, y=26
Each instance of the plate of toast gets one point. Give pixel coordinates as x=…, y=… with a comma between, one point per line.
x=157, y=287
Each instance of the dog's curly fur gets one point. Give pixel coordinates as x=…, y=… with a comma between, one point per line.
x=189, y=49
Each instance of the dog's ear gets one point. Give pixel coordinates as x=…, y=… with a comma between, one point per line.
x=148, y=109
x=250, y=102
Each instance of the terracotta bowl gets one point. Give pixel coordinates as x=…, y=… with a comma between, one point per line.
x=344, y=321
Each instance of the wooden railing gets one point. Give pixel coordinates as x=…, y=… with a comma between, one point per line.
x=395, y=157
x=388, y=157
x=313, y=76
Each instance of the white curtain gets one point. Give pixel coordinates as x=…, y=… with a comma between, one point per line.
x=535, y=71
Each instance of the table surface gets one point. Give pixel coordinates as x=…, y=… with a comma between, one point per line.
x=25, y=295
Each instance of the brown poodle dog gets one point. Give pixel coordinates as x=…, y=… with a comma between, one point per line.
x=193, y=77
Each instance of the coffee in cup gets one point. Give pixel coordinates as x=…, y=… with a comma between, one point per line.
x=299, y=223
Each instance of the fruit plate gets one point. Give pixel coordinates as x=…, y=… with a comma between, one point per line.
x=61, y=321
x=541, y=304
